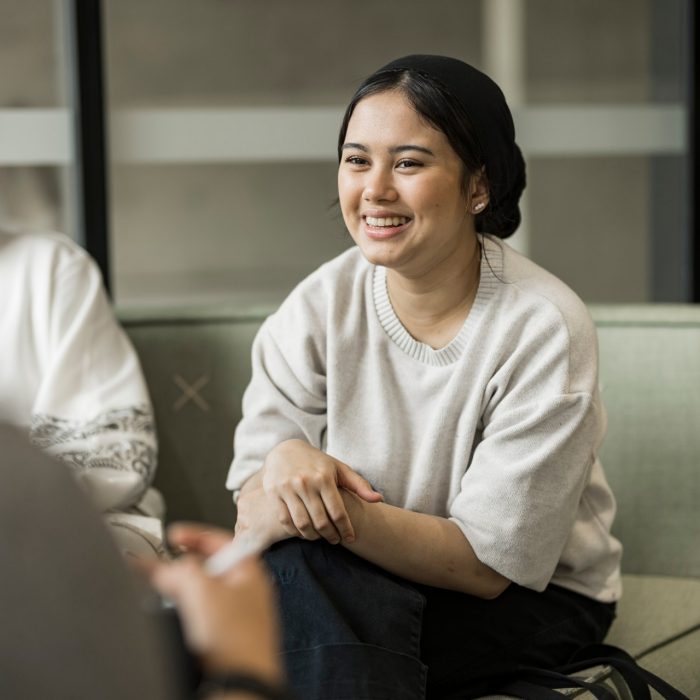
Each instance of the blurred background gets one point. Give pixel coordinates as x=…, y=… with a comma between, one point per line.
x=219, y=119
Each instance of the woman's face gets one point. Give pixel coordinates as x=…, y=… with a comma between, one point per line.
x=400, y=188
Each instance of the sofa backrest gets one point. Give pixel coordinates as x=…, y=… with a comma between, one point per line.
x=197, y=364
x=650, y=379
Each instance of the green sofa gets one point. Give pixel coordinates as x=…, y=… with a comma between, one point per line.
x=197, y=364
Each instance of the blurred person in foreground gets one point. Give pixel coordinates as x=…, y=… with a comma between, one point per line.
x=78, y=623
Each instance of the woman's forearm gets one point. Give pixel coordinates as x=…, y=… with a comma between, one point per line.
x=419, y=547
x=423, y=548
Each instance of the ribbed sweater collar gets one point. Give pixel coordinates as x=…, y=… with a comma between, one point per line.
x=491, y=269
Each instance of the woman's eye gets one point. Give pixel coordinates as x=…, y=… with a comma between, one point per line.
x=356, y=160
x=408, y=163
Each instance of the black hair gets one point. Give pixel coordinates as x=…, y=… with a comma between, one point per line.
x=439, y=108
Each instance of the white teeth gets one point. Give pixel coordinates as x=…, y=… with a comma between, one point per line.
x=386, y=221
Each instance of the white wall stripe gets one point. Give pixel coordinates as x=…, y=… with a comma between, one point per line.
x=43, y=136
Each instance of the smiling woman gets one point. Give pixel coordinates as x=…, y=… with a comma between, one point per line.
x=408, y=203
x=419, y=438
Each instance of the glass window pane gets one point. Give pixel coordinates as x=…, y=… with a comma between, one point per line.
x=245, y=230
x=242, y=232
x=31, y=69
x=179, y=52
x=592, y=225
x=202, y=209
x=35, y=158
x=587, y=50
x=32, y=198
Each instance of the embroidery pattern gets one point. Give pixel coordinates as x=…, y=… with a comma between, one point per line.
x=121, y=439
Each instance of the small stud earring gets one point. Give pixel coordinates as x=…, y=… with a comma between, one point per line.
x=478, y=207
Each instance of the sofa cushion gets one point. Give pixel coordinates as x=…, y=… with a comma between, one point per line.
x=658, y=622
x=678, y=662
x=653, y=611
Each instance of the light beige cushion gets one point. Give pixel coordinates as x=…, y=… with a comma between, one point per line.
x=679, y=663
x=654, y=610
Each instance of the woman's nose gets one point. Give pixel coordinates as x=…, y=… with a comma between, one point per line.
x=379, y=186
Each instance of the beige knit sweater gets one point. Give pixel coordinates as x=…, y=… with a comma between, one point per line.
x=497, y=431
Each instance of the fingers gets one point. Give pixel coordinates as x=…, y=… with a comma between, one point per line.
x=199, y=539
x=169, y=578
x=317, y=505
x=300, y=516
x=352, y=481
x=286, y=519
x=309, y=482
x=175, y=578
x=335, y=508
x=312, y=514
x=229, y=621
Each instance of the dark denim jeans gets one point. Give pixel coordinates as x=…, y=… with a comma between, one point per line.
x=352, y=631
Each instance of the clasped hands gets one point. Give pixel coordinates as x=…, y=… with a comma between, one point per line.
x=301, y=492
x=229, y=621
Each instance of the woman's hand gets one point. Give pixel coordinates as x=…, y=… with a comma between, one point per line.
x=306, y=484
x=256, y=523
x=257, y=519
x=228, y=621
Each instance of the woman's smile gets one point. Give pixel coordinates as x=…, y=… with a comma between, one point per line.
x=382, y=225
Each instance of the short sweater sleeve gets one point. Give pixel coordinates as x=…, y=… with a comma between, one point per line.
x=541, y=426
x=286, y=397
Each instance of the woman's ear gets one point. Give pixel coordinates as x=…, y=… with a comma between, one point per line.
x=478, y=192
